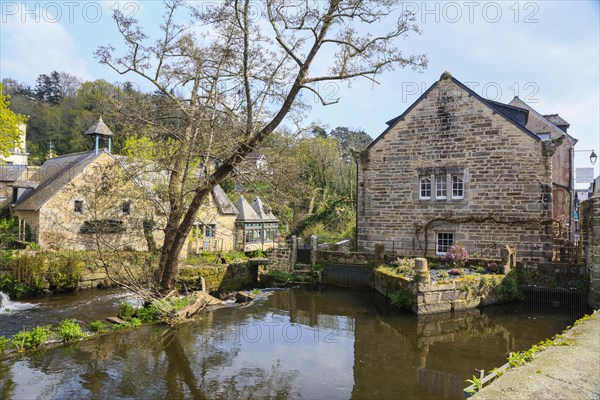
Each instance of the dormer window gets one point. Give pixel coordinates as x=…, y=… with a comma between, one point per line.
x=544, y=136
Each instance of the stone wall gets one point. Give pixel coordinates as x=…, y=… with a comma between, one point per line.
x=343, y=257
x=280, y=258
x=590, y=227
x=507, y=176
x=228, y=278
x=424, y=297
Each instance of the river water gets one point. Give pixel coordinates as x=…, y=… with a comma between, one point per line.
x=332, y=343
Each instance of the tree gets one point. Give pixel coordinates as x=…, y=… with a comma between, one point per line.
x=10, y=137
x=48, y=88
x=225, y=93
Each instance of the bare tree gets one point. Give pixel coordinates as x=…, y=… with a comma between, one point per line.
x=230, y=78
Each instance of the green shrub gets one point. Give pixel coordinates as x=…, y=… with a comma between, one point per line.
x=69, y=330
x=181, y=302
x=64, y=272
x=22, y=340
x=400, y=299
x=39, y=335
x=126, y=311
x=147, y=314
x=508, y=290
x=97, y=326
x=34, y=338
x=3, y=342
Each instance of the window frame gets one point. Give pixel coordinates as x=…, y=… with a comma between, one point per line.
x=441, y=179
x=425, y=187
x=454, y=179
x=78, y=206
x=443, y=242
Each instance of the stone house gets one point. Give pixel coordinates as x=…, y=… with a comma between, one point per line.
x=81, y=201
x=223, y=225
x=455, y=167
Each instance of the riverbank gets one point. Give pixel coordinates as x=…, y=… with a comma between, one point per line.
x=558, y=372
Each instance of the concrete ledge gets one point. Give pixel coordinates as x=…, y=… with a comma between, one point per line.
x=558, y=372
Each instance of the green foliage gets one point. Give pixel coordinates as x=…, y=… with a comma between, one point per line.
x=317, y=267
x=257, y=292
x=64, y=272
x=212, y=257
x=28, y=275
x=126, y=311
x=9, y=231
x=69, y=330
x=9, y=126
x=3, y=342
x=477, y=383
x=181, y=302
x=508, y=290
x=97, y=326
x=400, y=299
x=147, y=314
x=280, y=276
x=35, y=338
x=404, y=266
x=444, y=274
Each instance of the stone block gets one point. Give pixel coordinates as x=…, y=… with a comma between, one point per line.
x=433, y=308
x=450, y=295
x=431, y=297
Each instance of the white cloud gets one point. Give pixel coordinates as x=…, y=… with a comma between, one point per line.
x=35, y=45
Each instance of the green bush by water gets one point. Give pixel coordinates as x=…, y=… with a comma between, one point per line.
x=69, y=330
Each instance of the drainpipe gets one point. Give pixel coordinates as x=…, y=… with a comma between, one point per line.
x=571, y=191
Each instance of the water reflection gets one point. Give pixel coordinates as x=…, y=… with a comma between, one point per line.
x=332, y=343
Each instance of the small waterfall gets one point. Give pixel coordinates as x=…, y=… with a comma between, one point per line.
x=6, y=305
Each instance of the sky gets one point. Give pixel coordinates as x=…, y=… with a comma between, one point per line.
x=545, y=52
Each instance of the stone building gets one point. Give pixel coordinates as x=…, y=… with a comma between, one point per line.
x=81, y=201
x=223, y=225
x=455, y=167
x=256, y=226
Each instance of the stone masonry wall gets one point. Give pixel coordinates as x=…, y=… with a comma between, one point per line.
x=590, y=214
x=280, y=259
x=506, y=174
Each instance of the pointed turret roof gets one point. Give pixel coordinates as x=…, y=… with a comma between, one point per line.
x=99, y=128
x=246, y=211
x=264, y=212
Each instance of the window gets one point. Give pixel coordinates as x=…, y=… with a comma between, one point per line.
x=270, y=231
x=425, y=187
x=458, y=189
x=441, y=187
x=253, y=233
x=78, y=207
x=126, y=207
x=209, y=231
x=444, y=241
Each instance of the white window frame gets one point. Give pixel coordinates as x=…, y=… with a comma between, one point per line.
x=441, y=186
x=423, y=187
x=458, y=185
x=443, y=242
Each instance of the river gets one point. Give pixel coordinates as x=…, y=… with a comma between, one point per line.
x=331, y=343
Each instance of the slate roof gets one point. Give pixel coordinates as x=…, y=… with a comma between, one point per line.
x=225, y=205
x=516, y=114
x=246, y=212
x=10, y=173
x=99, y=128
x=558, y=121
x=52, y=176
x=263, y=211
